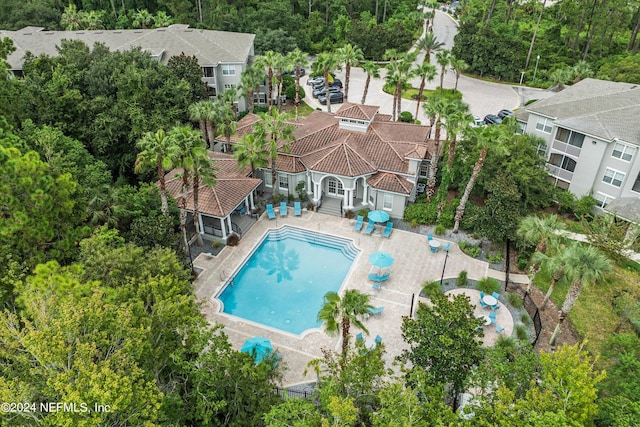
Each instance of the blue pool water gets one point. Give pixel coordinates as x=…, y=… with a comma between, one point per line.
x=283, y=282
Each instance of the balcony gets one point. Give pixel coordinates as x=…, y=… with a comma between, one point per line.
x=560, y=173
x=565, y=148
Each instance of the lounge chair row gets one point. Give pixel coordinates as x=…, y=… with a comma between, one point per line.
x=370, y=226
x=297, y=210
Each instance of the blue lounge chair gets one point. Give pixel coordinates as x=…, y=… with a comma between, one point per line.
x=270, y=213
x=388, y=229
x=446, y=247
x=369, y=228
x=297, y=210
x=499, y=329
x=378, y=277
x=376, y=310
x=429, y=237
x=283, y=208
x=359, y=336
x=482, y=303
x=358, y=225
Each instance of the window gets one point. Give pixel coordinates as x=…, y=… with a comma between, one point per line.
x=228, y=70
x=229, y=86
x=371, y=201
x=424, y=170
x=208, y=71
x=335, y=187
x=544, y=125
x=387, y=203
x=623, y=151
x=260, y=98
x=613, y=177
x=569, y=137
x=564, y=162
x=602, y=199
x=283, y=181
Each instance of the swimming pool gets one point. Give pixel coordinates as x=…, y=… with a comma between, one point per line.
x=283, y=281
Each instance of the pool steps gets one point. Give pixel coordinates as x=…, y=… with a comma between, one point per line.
x=344, y=245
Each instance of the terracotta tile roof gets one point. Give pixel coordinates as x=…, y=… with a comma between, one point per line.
x=342, y=157
x=232, y=186
x=289, y=164
x=390, y=182
x=357, y=111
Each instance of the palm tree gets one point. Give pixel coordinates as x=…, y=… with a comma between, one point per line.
x=282, y=66
x=429, y=43
x=227, y=116
x=157, y=150
x=142, y=18
x=587, y=265
x=212, y=117
x=270, y=61
x=251, y=151
x=299, y=60
x=458, y=65
x=436, y=108
x=250, y=80
x=337, y=314
x=559, y=77
x=406, y=73
x=555, y=265
x=444, y=59
x=326, y=62
x=581, y=71
x=427, y=73
x=271, y=131
x=198, y=113
x=349, y=55
x=203, y=172
x=103, y=206
x=71, y=18
x=542, y=232
x=161, y=19
x=487, y=138
x=372, y=70
x=190, y=146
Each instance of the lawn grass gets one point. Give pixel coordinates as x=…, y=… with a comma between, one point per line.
x=593, y=316
x=412, y=93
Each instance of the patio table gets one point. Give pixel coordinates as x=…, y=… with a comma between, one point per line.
x=489, y=300
x=434, y=243
x=370, y=343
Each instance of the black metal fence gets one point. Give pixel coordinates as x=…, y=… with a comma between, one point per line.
x=297, y=394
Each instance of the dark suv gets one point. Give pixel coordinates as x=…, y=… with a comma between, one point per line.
x=492, y=119
x=321, y=91
x=334, y=98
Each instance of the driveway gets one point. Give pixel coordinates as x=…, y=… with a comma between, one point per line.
x=482, y=97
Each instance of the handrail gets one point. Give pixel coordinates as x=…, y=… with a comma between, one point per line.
x=341, y=210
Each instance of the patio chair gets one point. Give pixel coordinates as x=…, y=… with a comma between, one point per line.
x=496, y=296
x=369, y=228
x=358, y=226
x=359, y=336
x=283, y=208
x=378, y=339
x=434, y=250
x=482, y=303
x=429, y=237
x=492, y=316
x=499, y=329
x=297, y=209
x=376, y=310
x=446, y=247
x=378, y=277
x=377, y=286
x=270, y=213
x=387, y=230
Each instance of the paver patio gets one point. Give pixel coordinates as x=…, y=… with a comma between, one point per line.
x=414, y=264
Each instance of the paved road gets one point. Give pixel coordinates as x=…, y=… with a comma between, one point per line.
x=482, y=97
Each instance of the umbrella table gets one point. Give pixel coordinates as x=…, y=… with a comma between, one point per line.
x=378, y=216
x=258, y=347
x=381, y=259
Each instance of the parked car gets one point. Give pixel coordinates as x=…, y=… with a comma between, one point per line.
x=314, y=80
x=492, y=119
x=477, y=122
x=336, y=82
x=321, y=92
x=293, y=72
x=505, y=113
x=334, y=98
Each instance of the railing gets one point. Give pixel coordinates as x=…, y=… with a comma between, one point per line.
x=341, y=210
x=236, y=229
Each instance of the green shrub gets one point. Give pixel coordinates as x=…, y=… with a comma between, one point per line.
x=290, y=92
x=494, y=258
x=422, y=213
x=439, y=230
x=461, y=281
x=525, y=319
x=514, y=300
x=233, y=239
x=406, y=117
x=413, y=223
x=472, y=250
x=349, y=214
x=260, y=109
x=488, y=285
x=522, y=333
x=431, y=288
x=522, y=263
x=363, y=212
x=584, y=206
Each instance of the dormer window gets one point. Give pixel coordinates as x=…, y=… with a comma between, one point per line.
x=353, y=124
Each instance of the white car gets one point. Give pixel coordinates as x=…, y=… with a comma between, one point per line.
x=477, y=122
x=315, y=80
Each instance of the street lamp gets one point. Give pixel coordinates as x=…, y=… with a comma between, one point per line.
x=535, y=70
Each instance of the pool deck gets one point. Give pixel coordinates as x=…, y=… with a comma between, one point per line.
x=414, y=264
